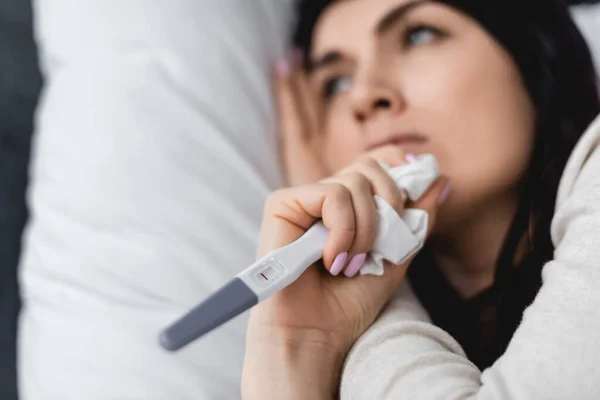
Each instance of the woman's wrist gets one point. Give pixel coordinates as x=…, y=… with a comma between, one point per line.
x=299, y=365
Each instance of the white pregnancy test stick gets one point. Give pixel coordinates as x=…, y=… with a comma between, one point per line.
x=265, y=277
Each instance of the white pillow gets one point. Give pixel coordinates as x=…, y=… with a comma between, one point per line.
x=587, y=17
x=154, y=151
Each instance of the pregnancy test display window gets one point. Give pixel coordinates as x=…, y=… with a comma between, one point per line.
x=268, y=273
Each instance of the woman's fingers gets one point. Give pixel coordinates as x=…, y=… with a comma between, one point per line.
x=365, y=179
x=345, y=204
x=298, y=124
x=290, y=212
x=290, y=116
x=365, y=216
x=306, y=101
x=382, y=184
x=391, y=155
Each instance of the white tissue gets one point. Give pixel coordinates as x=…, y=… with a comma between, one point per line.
x=401, y=236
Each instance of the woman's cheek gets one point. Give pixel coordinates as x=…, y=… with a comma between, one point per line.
x=484, y=170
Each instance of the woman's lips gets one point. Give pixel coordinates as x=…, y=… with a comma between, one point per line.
x=404, y=140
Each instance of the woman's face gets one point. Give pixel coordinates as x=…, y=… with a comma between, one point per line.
x=429, y=79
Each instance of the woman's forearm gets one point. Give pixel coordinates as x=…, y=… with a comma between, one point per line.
x=291, y=370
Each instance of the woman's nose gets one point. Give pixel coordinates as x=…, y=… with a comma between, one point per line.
x=370, y=99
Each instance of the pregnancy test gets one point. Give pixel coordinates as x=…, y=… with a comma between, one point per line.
x=256, y=283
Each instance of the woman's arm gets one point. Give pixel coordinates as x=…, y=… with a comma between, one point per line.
x=555, y=352
x=291, y=367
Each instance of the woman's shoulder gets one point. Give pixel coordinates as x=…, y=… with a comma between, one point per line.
x=584, y=158
x=578, y=197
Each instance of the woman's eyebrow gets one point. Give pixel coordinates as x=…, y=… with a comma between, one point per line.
x=384, y=24
x=329, y=58
x=396, y=14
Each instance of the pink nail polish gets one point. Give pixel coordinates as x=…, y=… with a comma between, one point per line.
x=338, y=264
x=355, y=264
x=411, y=158
x=283, y=68
x=445, y=193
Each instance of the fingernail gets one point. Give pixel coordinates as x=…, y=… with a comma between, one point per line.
x=445, y=193
x=338, y=264
x=283, y=68
x=411, y=158
x=355, y=264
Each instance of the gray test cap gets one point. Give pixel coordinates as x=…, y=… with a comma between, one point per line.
x=230, y=301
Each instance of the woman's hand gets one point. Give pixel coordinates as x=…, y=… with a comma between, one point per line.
x=319, y=317
x=338, y=309
x=300, y=137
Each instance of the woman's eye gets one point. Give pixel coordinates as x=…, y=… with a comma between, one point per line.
x=335, y=86
x=421, y=34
